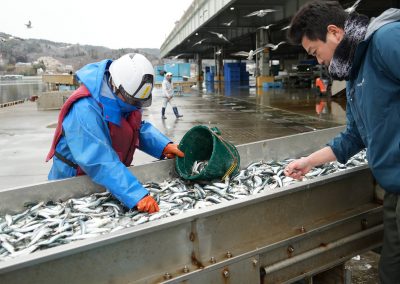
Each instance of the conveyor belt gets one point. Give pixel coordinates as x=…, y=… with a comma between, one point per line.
x=285, y=234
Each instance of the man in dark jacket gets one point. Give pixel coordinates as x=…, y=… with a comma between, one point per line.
x=367, y=55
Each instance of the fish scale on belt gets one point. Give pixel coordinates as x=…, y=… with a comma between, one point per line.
x=46, y=225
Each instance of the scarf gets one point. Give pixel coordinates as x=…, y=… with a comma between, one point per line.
x=355, y=28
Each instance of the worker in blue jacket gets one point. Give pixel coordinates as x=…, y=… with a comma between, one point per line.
x=367, y=55
x=100, y=126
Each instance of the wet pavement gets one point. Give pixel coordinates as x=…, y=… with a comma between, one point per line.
x=247, y=116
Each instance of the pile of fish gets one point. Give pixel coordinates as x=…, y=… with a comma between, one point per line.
x=198, y=167
x=46, y=225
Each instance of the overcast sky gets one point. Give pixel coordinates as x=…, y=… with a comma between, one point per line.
x=110, y=23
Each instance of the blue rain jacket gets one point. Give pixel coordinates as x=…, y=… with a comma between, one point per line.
x=373, y=102
x=87, y=141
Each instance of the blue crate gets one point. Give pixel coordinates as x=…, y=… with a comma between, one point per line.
x=159, y=78
x=184, y=69
x=209, y=76
x=267, y=85
x=232, y=79
x=272, y=85
x=173, y=68
x=243, y=67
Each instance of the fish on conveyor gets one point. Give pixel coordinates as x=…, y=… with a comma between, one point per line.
x=46, y=225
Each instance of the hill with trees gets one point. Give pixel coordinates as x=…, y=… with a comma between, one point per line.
x=55, y=56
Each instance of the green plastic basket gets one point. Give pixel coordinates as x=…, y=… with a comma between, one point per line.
x=202, y=143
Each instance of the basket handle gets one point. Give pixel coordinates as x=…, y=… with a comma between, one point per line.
x=214, y=130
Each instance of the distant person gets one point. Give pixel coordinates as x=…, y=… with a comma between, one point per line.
x=367, y=55
x=100, y=126
x=168, y=95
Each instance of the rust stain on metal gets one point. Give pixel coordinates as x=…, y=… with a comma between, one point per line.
x=290, y=251
x=167, y=276
x=226, y=275
x=302, y=230
x=192, y=237
x=185, y=269
x=196, y=262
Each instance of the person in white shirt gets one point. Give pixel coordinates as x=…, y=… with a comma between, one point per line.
x=168, y=95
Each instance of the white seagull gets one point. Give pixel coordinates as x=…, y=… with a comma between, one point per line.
x=274, y=46
x=227, y=23
x=199, y=42
x=353, y=7
x=266, y=27
x=249, y=55
x=29, y=25
x=261, y=13
x=221, y=36
x=177, y=56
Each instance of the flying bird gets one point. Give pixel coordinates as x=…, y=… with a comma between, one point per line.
x=29, y=25
x=249, y=55
x=219, y=51
x=274, y=46
x=266, y=27
x=227, y=24
x=352, y=9
x=177, y=56
x=285, y=28
x=260, y=13
x=199, y=42
x=221, y=36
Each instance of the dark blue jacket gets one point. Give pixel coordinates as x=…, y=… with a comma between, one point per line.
x=373, y=102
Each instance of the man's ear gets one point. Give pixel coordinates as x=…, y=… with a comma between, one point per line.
x=335, y=31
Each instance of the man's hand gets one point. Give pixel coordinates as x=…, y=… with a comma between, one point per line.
x=171, y=150
x=147, y=204
x=298, y=168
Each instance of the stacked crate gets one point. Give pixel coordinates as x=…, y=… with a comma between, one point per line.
x=232, y=72
x=236, y=72
x=244, y=75
x=210, y=73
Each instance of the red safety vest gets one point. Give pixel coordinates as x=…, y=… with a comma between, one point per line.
x=124, y=138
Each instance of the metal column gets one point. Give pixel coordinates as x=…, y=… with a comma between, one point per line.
x=263, y=57
x=199, y=70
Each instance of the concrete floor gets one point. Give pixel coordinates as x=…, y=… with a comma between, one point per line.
x=242, y=114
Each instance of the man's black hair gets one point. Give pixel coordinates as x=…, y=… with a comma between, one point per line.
x=313, y=18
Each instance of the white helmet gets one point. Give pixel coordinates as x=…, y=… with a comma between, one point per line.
x=133, y=77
